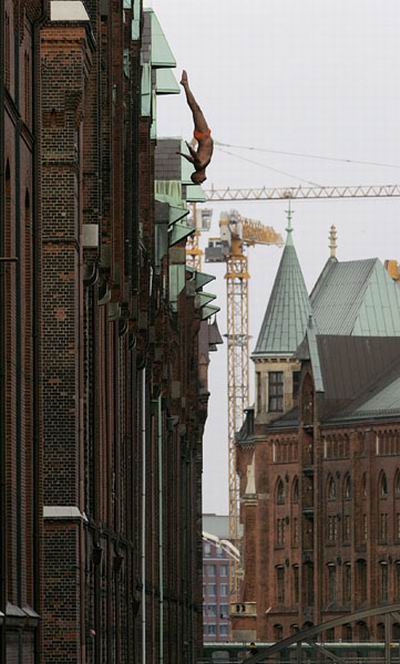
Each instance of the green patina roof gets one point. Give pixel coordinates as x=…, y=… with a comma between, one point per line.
x=357, y=298
x=166, y=83
x=161, y=54
x=285, y=320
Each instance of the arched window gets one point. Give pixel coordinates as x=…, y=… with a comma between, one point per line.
x=347, y=488
x=364, y=485
x=278, y=632
x=361, y=568
x=396, y=632
x=295, y=491
x=27, y=88
x=363, y=631
x=397, y=484
x=383, y=486
x=280, y=584
x=384, y=576
x=331, y=488
x=280, y=492
x=347, y=633
x=380, y=632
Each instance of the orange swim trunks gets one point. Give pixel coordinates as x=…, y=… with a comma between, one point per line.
x=201, y=135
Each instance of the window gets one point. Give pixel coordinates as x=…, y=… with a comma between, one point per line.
x=347, y=488
x=259, y=393
x=347, y=583
x=364, y=528
x=223, y=590
x=207, y=549
x=380, y=631
x=280, y=492
x=223, y=630
x=397, y=485
x=347, y=633
x=295, y=491
x=332, y=528
x=330, y=634
x=280, y=532
x=364, y=485
x=383, y=486
x=223, y=570
x=383, y=527
x=296, y=383
x=309, y=584
x=280, y=584
x=211, y=609
x=331, y=488
x=363, y=631
x=361, y=567
x=224, y=611
x=211, y=570
x=211, y=630
x=295, y=531
x=278, y=632
x=346, y=528
x=212, y=589
x=383, y=581
x=397, y=574
x=296, y=584
x=275, y=391
x=331, y=584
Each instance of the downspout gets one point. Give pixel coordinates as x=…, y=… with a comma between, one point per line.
x=37, y=454
x=3, y=465
x=160, y=525
x=143, y=543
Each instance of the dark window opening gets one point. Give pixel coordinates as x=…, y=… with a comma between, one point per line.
x=275, y=391
x=280, y=585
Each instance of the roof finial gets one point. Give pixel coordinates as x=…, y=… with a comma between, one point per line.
x=332, y=241
x=289, y=228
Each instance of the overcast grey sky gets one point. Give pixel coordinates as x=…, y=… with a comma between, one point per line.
x=316, y=77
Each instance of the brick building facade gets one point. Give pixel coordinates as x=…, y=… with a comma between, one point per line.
x=106, y=346
x=319, y=454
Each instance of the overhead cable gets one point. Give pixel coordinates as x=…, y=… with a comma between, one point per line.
x=307, y=156
x=270, y=168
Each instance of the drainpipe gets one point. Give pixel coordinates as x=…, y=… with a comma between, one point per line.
x=37, y=457
x=160, y=525
x=3, y=465
x=143, y=544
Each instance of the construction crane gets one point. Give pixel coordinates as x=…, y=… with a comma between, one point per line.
x=299, y=192
x=201, y=220
x=237, y=233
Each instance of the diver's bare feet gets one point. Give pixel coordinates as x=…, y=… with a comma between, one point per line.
x=184, y=79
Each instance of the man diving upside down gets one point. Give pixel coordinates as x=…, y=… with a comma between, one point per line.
x=201, y=157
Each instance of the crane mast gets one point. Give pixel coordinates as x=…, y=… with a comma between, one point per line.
x=237, y=232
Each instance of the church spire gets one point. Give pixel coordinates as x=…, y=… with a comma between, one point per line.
x=285, y=320
x=333, y=241
x=289, y=228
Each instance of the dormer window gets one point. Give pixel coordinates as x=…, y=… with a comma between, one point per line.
x=275, y=391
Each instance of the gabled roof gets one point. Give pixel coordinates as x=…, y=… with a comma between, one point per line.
x=285, y=320
x=356, y=298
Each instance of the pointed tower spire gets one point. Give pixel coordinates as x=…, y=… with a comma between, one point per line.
x=288, y=309
x=289, y=228
x=333, y=241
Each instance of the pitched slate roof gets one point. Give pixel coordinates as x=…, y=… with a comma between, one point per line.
x=285, y=320
x=356, y=298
